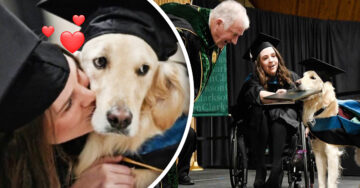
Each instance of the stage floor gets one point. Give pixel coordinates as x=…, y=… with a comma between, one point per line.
x=209, y=178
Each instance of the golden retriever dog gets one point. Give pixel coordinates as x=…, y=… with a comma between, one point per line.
x=137, y=97
x=327, y=156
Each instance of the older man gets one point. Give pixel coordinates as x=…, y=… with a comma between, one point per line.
x=205, y=32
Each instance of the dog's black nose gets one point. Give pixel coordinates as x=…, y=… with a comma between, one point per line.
x=119, y=117
x=298, y=83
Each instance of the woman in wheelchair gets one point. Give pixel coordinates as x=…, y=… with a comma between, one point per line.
x=273, y=123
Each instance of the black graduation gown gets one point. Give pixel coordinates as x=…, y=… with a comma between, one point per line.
x=255, y=112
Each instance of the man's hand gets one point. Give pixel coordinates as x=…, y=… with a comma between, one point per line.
x=105, y=172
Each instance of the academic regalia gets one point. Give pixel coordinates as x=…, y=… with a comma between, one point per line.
x=32, y=73
x=261, y=42
x=192, y=23
x=325, y=70
x=249, y=96
x=344, y=128
x=266, y=123
x=251, y=101
x=263, y=123
x=340, y=129
x=141, y=19
x=136, y=17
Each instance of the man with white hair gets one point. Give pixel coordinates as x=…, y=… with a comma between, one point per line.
x=205, y=33
x=227, y=22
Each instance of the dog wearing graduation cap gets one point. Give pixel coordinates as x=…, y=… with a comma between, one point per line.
x=321, y=105
x=139, y=92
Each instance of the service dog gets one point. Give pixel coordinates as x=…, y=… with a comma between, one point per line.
x=327, y=156
x=137, y=97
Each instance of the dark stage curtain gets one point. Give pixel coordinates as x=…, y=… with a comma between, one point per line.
x=206, y=3
x=336, y=42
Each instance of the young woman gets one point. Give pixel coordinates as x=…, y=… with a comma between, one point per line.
x=271, y=124
x=45, y=101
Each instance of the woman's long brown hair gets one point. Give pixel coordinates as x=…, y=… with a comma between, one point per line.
x=282, y=72
x=27, y=160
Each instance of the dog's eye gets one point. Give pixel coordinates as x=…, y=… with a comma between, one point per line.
x=313, y=78
x=100, y=62
x=143, y=70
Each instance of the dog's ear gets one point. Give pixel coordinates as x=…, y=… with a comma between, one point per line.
x=77, y=54
x=328, y=93
x=169, y=95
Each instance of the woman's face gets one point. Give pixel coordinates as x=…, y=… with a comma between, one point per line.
x=269, y=61
x=70, y=115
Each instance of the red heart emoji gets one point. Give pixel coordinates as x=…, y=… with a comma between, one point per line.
x=48, y=31
x=78, y=20
x=72, y=42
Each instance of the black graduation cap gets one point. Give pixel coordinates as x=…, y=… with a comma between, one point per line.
x=262, y=41
x=323, y=69
x=32, y=73
x=136, y=17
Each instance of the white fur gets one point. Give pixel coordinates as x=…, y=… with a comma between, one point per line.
x=155, y=99
x=327, y=156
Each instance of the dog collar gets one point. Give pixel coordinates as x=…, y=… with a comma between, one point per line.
x=321, y=110
x=313, y=121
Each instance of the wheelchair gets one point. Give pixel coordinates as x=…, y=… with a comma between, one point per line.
x=298, y=159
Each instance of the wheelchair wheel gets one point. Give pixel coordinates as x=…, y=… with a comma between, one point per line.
x=238, y=160
x=308, y=160
x=311, y=163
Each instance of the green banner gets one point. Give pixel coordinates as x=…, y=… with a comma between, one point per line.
x=214, y=99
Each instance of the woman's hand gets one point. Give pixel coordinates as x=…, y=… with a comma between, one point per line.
x=105, y=172
x=264, y=94
x=281, y=91
x=307, y=131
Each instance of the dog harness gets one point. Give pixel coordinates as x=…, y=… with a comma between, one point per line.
x=337, y=129
x=156, y=153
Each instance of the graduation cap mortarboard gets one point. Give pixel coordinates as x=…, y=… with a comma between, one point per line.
x=323, y=69
x=136, y=17
x=261, y=42
x=32, y=73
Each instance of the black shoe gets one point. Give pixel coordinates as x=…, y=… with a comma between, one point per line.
x=185, y=180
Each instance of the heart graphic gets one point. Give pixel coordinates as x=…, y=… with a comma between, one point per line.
x=78, y=20
x=72, y=42
x=48, y=31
